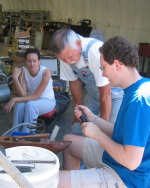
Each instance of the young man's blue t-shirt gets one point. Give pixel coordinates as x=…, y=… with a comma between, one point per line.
x=132, y=127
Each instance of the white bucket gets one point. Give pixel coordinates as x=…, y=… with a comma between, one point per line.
x=45, y=175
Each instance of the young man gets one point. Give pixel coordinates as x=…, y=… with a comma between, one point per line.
x=79, y=62
x=116, y=155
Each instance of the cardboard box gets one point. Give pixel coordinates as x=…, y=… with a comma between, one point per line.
x=24, y=34
x=17, y=59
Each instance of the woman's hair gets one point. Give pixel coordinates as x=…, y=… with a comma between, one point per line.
x=32, y=51
x=62, y=38
x=120, y=49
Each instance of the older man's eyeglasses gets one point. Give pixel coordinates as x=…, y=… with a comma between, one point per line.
x=101, y=68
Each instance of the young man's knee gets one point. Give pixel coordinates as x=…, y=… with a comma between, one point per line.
x=76, y=143
x=67, y=137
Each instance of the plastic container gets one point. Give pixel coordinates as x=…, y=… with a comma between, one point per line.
x=14, y=133
x=44, y=175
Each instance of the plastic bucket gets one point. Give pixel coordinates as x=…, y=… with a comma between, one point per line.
x=45, y=175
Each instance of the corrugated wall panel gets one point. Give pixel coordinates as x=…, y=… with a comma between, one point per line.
x=114, y=17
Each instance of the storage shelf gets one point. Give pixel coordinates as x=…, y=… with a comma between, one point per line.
x=11, y=19
x=36, y=20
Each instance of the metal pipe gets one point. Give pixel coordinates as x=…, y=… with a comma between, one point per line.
x=33, y=161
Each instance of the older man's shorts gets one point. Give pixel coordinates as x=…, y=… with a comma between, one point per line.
x=98, y=174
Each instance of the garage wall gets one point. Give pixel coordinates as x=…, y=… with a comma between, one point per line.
x=129, y=18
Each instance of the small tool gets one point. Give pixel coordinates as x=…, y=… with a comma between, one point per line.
x=22, y=170
x=32, y=161
x=25, y=165
x=54, y=133
x=2, y=149
x=83, y=117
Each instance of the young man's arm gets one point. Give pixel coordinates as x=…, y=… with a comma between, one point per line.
x=105, y=126
x=127, y=155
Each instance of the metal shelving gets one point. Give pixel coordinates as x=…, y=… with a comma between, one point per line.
x=34, y=19
x=11, y=19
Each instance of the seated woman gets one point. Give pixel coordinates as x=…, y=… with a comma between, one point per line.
x=35, y=91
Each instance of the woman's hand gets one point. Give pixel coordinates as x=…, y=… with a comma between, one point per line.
x=7, y=108
x=16, y=73
x=86, y=111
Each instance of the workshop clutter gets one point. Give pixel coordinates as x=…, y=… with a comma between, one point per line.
x=144, y=58
x=4, y=88
x=144, y=49
x=5, y=49
x=3, y=68
x=6, y=40
x=23, y=42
